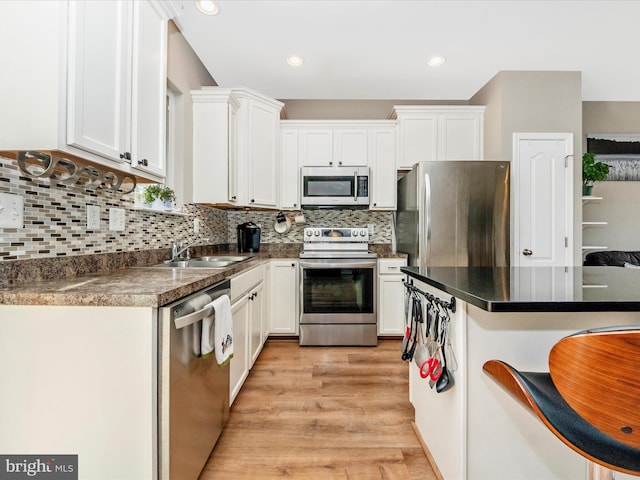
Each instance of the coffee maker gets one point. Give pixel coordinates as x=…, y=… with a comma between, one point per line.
x=248, y=237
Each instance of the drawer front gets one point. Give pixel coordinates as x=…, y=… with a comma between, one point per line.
x=245, y=281
x=391, y=265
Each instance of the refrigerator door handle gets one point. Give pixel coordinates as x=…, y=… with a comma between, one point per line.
x=425, y=235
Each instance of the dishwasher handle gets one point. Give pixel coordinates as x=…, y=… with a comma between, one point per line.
x=192, y=318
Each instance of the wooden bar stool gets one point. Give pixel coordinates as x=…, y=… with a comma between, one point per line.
x=590, y=398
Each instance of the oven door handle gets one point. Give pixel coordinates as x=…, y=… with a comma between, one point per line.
x=334, y=264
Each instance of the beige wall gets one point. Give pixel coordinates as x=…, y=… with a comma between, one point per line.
x=619, y=204
x=185, y=72
x=535, y=102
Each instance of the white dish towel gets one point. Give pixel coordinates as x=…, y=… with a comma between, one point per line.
x=217, y=331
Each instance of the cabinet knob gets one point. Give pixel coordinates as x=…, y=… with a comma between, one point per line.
x=125, y=156
x=144, y=162
x=293, y=264
x=375, y=204
x=295, y=204
x=252, y=200
x=339, y=163
x=233, y=198
x=526, y=252
x=330, y=163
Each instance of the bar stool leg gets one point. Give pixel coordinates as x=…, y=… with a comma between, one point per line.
x=598, y=472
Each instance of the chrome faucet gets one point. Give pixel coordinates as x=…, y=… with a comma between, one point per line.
x=177, y=249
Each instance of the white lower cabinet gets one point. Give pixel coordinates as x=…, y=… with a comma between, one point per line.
x=284, y=286
x=239, y=363
x=256, y=321
x=247, y=310
x=390, y=296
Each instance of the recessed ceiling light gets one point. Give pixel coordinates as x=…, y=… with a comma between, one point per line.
x=435, y=61
x=208, y=7
x=295, y=60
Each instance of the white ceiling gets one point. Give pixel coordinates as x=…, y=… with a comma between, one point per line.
x=377, y=49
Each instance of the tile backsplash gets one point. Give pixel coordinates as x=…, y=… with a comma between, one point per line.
x=55, y=222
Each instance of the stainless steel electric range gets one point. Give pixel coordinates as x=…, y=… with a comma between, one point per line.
x=338, y=288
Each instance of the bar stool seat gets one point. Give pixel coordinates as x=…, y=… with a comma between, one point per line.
x=590, y=398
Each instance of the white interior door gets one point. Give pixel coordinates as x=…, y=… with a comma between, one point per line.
x=542, y=199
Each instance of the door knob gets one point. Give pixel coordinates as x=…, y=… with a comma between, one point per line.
x=526, y=252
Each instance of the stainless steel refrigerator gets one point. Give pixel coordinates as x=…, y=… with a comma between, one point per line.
x=454, y=213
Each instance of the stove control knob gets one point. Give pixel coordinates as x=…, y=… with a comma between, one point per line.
x=316, y=233
x=354, y=232
x=309, y=233
x=363, y=233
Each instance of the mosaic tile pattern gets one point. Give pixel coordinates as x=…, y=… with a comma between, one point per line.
x=313, y=218
x=55, y=222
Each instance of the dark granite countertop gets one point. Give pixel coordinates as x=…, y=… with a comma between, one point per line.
x=122, y=279
x=127, y=287
x=537, y=289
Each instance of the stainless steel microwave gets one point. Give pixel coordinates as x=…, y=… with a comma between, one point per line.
x=335, y=186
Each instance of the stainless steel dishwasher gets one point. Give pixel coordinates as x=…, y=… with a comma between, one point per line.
x=193, y=391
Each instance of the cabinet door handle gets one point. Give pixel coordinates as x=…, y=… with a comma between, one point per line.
x=526, y=252
x=126, y=156
x=144, y=162
x=233, y=198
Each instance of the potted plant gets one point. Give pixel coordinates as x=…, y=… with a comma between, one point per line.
x=159, y=196
x=592, y=172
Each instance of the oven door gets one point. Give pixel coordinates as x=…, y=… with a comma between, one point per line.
x=338, y=291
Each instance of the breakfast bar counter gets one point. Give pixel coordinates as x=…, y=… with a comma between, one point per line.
x=475, y=430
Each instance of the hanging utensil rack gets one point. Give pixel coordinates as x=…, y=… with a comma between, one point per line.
x=451, y=304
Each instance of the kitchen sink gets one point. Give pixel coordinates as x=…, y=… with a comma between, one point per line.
x=223, y=258
x=203, y=262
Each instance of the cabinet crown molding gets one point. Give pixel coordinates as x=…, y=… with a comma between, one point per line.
x=338, y=123
x=247, y=93
x=434, y=109
x=167, y=9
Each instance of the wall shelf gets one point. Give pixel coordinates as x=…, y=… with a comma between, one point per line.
x=589, y=223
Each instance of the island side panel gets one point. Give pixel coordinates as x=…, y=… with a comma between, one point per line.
x=441, y=417
x=81, y=380
x=505, y=441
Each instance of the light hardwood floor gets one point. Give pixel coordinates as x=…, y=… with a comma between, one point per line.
x=322, y=413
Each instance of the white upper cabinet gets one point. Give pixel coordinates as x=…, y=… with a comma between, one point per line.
x=149, y=92
x=382, y=160
x=332, y=143
x=215, y=160
x=289, y=169
x=351, y=147
x=104, y=98
x=99, y=76
x=427, y=133
x=339, y=143
x=316, y=147
x=258, y=153
x=236, y=157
